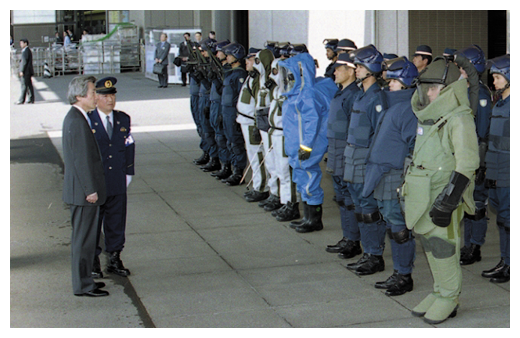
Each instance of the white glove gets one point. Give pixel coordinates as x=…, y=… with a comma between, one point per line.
x=128, y=179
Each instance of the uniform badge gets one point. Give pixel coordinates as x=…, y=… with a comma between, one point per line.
x=379, y=108
x=420, y=130
x=129, y=140
x=93, y=131
x=108, y=84
x=123, y=129
x=241, y=80
x=483, y=102
x=95, y=123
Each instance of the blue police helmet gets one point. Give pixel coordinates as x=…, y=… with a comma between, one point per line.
x=476, y=56
x=331, y=43
x=235, y=49
x=500, y=65
x=401, y=69
x=284, y=48
x=220, y=45
x=273, y=47
x=208, y=45
x=369, y=57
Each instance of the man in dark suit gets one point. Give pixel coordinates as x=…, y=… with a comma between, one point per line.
x=112, y=131
x=84, y=184
x=26, y=73
x=161, y=56
x=184, y=53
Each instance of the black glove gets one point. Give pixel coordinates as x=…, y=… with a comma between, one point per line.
x=480, y=175
x=303, y=154
x=448, y=200
x=206, y=112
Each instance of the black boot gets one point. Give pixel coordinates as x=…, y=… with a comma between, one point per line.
x=235, y=178
x=372, y=265
x=115, y=265
x=352, y=249
x=471, y=255
x=314, y=222
x=202, y=160
x=268, y=200
x=257, y=196
x=403, y=284
x=223, y=173
x=212, y=165
x=388, y=282
x=96, y=268
x=361, y=261
x=494, y=271
x=288, y=212
x=295, y=224
x=273, y=204
x=502, y=276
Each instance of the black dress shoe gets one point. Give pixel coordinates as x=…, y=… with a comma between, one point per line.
x=31, y=102
x=388, y=282
x=212, y=165
x=100, y=285
x=403, y=284
x=502, y=276
x=335, y=248
x=352, y=249
x=470, y=255
x=93, y=293
x=494, y=271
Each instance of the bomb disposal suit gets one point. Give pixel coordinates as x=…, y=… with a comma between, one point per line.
x=304, y=119
x=439, y=182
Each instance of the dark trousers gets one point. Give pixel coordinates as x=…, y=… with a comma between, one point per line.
x=112, y=217
x=26, y=89
x=163, y=78
x=83, y=246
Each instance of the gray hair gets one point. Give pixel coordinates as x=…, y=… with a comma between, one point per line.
x=79, y=87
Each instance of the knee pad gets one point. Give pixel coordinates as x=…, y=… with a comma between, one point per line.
x=479, y=214
x=371, y=218
x=350, y=207
x=359, y=217
x=440, y=248
x=402, y=236
x=503, y=225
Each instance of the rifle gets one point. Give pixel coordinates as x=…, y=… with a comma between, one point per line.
x=216, y=66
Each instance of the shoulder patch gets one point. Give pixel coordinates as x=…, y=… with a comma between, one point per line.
x=483, y=102
x=379, y=108
x=241, y=80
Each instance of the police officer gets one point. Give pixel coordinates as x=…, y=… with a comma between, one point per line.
x=392, y=143
x=233, y=80
x=475, y=226
x=204, y=112
x=215, y=98
x=498, y=163
x=365, y=114
x=304, y=114
x=246, y=106
x=337, y=127
x=112, y=131
x=332, y=55
x=422, y=57
x=345, y=46
x=439, y=182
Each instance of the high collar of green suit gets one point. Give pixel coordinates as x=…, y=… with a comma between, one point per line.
x=450, y=98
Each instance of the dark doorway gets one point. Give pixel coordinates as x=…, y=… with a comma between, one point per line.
x=242, y=28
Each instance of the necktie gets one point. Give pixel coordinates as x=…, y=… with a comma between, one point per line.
x=109, y=127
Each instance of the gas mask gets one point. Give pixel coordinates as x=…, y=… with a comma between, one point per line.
x=287, y=80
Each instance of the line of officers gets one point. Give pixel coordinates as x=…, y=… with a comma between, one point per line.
x=412, y=145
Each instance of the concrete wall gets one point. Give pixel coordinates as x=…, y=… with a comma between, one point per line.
x=391, y=32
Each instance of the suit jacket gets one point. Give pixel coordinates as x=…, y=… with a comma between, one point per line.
x=162, y=52
x=84, y=174
x=26, y=66
x=118, y=152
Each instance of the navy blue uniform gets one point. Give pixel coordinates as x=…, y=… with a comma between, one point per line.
x=208, y=133
x=363, y=121
x=475, y=226
x=194, y=106
x=337, y=128
x=215, y=118
x=393, y=140
x=233, y=81
x=118, y=155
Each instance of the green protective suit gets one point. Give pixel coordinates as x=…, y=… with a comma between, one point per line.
x=446, y=141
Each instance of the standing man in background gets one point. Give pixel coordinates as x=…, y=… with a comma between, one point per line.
x=161, y=56
x=84, y=184
x=26, y=73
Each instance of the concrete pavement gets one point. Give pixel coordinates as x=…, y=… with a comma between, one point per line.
x=200, y=255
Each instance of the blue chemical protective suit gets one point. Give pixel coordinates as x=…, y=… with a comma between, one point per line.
x=305, y=124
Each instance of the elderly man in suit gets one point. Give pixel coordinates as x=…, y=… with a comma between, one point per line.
x=26, y=73
x=161, y=56
x=84, y=184
x=112, y=131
